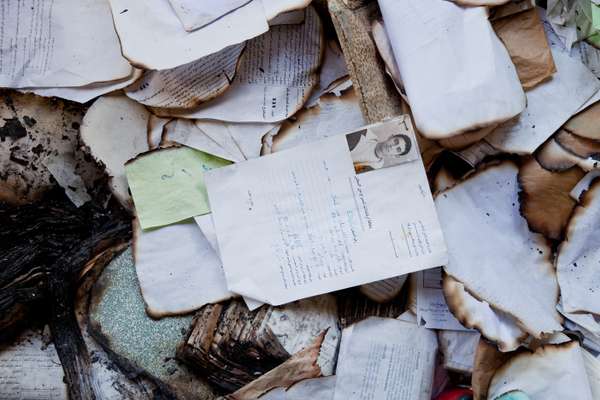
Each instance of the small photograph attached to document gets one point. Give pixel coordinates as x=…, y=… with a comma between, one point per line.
x=373, y=148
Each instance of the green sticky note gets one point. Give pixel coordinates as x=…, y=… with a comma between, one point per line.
x=167, y=185
x=595, y=16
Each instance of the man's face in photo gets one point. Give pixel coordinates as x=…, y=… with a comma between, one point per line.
x=395, y=146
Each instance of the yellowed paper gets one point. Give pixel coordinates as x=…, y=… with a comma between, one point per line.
x=524, y=38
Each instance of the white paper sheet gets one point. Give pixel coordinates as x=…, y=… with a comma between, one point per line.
x=275, y=7
x=478, y=85
x=152, y=37
x=83, y=94
x=194, y=14
x=592, y=367
x=242, y=139
x=276, y=75
x=384, y=358
x=316, y=389
x=58, y=43
x=432, y=310
x=303, y=222
x=551, y=372
x=177, y=269
x=549, y=105
x=332, y=115
x=579, y=256
x=493, y=253
x=186, y=132
x=584, y=184
x=190, y=84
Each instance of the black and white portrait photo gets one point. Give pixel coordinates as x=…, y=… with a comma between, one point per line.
x=371, y=150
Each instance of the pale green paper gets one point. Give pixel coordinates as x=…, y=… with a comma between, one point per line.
x=167, y=185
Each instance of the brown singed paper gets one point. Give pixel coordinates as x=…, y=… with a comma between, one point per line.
x=524, y=38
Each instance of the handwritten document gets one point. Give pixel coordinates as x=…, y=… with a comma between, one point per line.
x=347, y=210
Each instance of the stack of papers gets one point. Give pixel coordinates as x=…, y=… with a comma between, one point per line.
x=352, y=200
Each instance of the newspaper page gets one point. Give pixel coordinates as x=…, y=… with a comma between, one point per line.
x=344, y=211
x=432, y=310
x=152, y=36
x=276, y=75
x=58, y=43
x=384, y=358
x=188, y=85
x=194, y=14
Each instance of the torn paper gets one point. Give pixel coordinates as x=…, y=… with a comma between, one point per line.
x=167, y=185
x=554, y=157
x=152, y=36
x=487, y=85
x=59, y=44
x=583, y=185
x=432, y=310
x=177, y=269
x=524, y=37
x=386, y=359
x=347, y=210
x=115, y=130
x=497, y=326
x=188, y=85
x=275, y=77
x=585, y=124
x=579, y=255
x=489, y=200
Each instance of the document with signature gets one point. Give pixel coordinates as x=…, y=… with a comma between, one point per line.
x=347, y=210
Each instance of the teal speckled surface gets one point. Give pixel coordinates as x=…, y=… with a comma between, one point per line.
x=118, y=308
